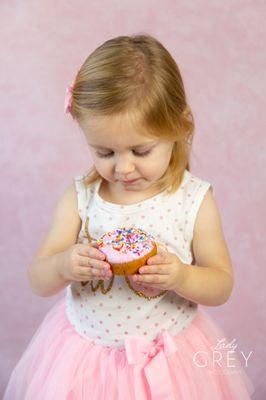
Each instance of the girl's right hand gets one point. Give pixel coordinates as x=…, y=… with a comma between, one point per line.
x=84, y=262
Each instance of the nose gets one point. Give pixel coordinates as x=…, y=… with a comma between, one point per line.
x=124, y=166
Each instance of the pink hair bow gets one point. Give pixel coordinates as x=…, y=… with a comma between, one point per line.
x=68, y=98
x=152, y=359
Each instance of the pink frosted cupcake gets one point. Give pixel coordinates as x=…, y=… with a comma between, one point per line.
x=127, y=249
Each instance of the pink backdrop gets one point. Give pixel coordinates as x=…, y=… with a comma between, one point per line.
x=220, y=48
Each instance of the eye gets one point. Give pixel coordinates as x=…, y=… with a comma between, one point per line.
x=103, y=155
x=142, y=154
x=138, y=154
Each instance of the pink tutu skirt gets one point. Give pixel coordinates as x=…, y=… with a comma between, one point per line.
x=59, y=364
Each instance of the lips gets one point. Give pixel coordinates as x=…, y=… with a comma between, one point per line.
x=132, y=181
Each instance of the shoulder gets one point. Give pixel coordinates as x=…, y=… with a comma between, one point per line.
x=65, y=224
x=194, y=183
x=209, y=244
x=67, y=203
x=208, y=213
x=85, y=182
x=69, y=193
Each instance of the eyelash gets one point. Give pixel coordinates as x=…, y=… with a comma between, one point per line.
x=136, y=154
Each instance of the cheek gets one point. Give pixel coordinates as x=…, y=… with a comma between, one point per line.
x=100, y=162
x=101, y=165
x=164, y=158
x=159, y=162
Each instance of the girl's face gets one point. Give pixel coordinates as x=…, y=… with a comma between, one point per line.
x=121, y=153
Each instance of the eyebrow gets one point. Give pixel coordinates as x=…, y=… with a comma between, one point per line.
x=131, y=147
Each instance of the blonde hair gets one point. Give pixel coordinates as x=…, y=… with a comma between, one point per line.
x=136, y=76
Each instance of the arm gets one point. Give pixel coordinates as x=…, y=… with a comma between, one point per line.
x=44, y=276
x=44, y=272
x=210, y=281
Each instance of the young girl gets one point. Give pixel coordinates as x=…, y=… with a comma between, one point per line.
x=143, y=336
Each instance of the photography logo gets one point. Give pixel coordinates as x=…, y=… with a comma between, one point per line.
x=223, y=358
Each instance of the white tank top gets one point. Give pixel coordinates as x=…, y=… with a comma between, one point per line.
x=108, y=317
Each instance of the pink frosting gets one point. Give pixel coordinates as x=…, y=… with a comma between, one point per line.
x=125, y=244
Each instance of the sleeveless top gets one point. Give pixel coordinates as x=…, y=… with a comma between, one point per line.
x=108, y=316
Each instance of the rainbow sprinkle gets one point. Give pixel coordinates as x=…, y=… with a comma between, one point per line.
x=127, y=239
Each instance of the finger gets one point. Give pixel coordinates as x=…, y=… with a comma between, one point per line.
x=154, y=279
x=85, y=273
x=93, y=273
x=157, y=286
x=91, y=250
x=161, y=269
x=91, y=262
x=159, y=258
x=161, y=249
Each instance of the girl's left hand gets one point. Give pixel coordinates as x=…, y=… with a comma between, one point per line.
x=163, y=271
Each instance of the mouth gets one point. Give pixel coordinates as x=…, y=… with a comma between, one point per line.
x=130, y=182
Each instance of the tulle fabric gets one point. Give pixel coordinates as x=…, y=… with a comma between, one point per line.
x=59, y=364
